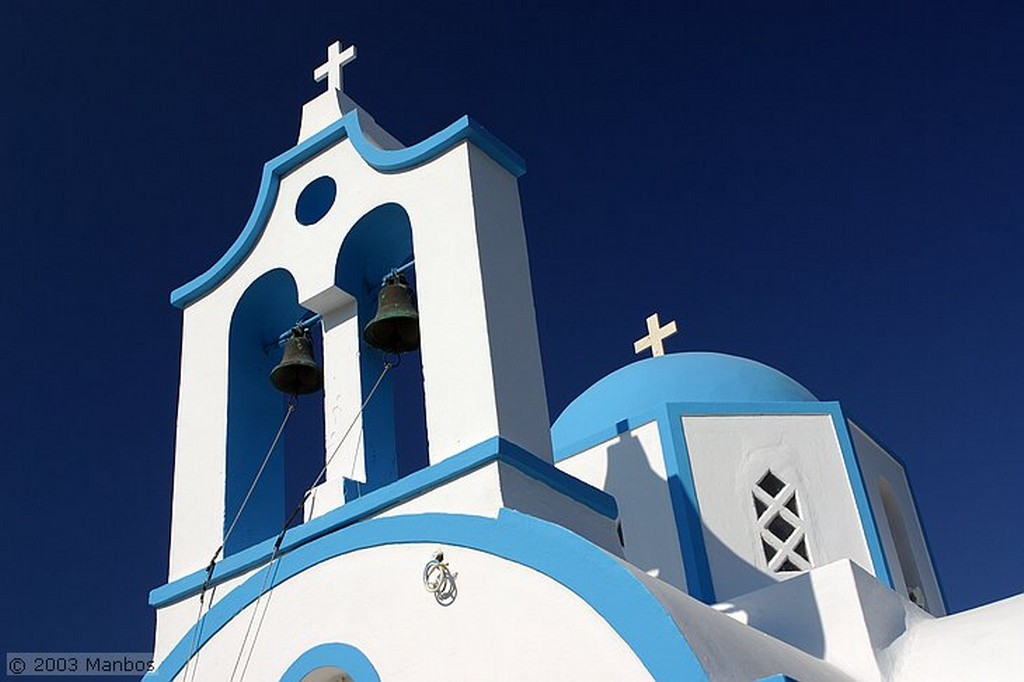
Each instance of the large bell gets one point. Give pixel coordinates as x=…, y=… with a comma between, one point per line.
x=396, y=327
x=298, y=373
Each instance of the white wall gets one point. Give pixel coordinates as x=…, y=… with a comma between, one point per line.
x=730, y=454
x=631, y=467
x=837, y=613
x=508, y=622
x=981, y=644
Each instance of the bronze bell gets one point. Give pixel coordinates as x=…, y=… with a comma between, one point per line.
x=396, y=327
x=298, y=373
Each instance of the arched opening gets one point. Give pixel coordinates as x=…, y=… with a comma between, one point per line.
x=331, y=663
x=328, y=673
x=255, y=410
x=394, y=435
x=900, y=538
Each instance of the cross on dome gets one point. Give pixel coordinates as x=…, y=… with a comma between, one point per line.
x=656, y=335
x=331, y=69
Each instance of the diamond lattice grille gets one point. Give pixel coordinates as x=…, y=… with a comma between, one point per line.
x=781, y=527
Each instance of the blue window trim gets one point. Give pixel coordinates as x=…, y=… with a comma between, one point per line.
x=417, y=483
x=602, y=581
x=343, y=656
x=383, y=160
x=683, y=493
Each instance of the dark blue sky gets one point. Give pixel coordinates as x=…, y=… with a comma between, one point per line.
x=836, y=193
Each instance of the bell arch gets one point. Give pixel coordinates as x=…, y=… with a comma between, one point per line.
x=255, y=409
x=380, y=241
x=456, y=204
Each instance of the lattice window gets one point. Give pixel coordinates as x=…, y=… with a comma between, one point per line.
x=781, y=527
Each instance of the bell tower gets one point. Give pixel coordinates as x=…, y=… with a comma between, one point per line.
x=343, y=213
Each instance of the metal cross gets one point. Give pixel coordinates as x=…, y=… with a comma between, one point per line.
x=331, y=69
x=656, y=335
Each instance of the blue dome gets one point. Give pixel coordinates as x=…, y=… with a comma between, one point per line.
x=675, y=378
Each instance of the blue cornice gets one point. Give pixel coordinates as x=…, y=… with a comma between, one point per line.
x=413, y=485
x=383, y=160
x=598, y=578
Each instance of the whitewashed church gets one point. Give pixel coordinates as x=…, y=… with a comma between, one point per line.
x=691, y=516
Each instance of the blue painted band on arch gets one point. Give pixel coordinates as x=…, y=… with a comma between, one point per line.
x=335, y=655
x=406, y=488
x=596, y=577
x=383, y=160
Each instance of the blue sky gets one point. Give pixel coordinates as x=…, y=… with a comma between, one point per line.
x=835, y=193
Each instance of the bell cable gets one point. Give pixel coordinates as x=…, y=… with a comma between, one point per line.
x=266, y=458
x=197, y=629
x=274, y=554
x=271, y=567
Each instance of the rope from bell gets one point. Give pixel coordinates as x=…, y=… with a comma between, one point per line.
x=271, y=566
x=197, y=628
x=280, y=537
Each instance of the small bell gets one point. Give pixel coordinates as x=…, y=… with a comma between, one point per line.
x=298, y=373
x=396, y=327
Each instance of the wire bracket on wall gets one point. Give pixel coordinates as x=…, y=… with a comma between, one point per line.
x=439, y=579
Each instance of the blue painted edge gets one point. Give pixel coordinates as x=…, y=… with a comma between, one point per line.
x=681, y=488
x=913, y=498
x=383, y=160
x=684, y=498
x=777, y=678
x=599, y=579
x=868, y=518
x=415, y=484
x=685, y=506
x=344, y=656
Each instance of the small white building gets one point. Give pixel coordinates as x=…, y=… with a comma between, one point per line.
x=690, y=516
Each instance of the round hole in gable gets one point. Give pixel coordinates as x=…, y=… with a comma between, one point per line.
x=315, y=200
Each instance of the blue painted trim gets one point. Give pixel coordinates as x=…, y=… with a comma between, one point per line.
x=413, y=485
x=685, y=507
x=394, y=160
x=602, y=581
x=860, y=495
x=343, y=656
x=383, y=160
x=681, y=488
x=913, y=499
